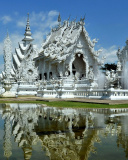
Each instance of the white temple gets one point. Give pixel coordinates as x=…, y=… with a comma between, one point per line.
x=67, y=66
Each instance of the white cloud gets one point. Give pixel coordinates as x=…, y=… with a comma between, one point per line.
x=42, y=21
x=21, y=23
x=110, y=54
x=36, y=18
x=6, y=19
x=38, y=38
x=16, y=13
x=53, y=13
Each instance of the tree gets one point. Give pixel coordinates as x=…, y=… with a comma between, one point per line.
x=109, y=67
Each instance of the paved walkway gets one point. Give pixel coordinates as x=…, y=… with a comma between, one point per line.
x=95, y=101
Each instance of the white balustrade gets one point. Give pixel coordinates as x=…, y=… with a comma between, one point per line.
x=64, y=89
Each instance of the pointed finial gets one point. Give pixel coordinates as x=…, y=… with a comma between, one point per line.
x=75, y=18
x=28, y=16
x=28, y=33
x=7, y=33
x=84, y=17
x=69, y=17
x=59, y=18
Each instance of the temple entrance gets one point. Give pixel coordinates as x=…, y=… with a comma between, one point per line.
x=79, y=67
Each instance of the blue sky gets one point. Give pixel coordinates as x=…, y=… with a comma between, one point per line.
x=106, y=20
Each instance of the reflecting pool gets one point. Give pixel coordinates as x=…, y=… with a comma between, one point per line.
x=38, y=132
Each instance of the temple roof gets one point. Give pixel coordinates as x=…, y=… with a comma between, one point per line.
x=62, y=40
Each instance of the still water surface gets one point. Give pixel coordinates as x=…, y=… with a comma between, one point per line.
x=36, y=132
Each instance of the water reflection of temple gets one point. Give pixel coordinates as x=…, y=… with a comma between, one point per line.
x=63, y=133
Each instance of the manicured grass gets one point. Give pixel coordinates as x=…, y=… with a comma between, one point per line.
x=71, y=104
x=84, y=105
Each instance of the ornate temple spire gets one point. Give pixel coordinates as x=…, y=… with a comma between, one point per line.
x=27, y=39
x=7, y=56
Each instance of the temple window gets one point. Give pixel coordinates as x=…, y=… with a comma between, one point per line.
x=50, y=75
x=83, y=75
x=73, y=67
x=74, y=72
x=40, y=76
x=45, y=76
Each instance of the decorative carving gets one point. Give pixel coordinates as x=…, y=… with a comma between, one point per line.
x=90, y=74
x=66, y=73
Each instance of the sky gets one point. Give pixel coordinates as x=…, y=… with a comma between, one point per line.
x=106, y=20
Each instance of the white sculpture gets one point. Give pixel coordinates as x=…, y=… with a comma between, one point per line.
x=91, y=74
x=108, y=76
x=111, y=78
x=119, y=66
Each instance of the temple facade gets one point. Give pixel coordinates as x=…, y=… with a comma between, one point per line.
x=66, y=66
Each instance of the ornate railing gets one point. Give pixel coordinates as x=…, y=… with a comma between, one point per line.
x=64, y=89
x=111, y=93
x=26, y=83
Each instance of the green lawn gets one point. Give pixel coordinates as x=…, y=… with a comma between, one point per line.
x=71, y=104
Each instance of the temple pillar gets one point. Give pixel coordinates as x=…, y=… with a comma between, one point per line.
x=40, y=69
x=70, y=69
x=63, y=69
x=85, y=70
x=43, y=68
x=47, y=70
x=86, y=67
